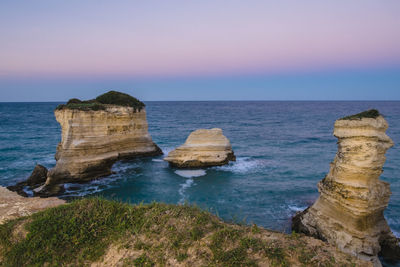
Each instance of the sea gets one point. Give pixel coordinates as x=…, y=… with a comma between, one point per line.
x=283, y=149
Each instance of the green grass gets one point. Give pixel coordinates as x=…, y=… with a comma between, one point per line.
x=101, y=102
x=80, y=232
x=372, y=113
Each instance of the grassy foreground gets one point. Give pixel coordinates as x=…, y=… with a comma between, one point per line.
x=109, y=233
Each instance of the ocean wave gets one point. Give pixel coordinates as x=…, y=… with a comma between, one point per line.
x=190, y=173
x=242, y=165
x=296, y=208
x=188, y=183
x=157, y=160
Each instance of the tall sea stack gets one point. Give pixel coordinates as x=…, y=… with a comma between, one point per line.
x=97, y=133
x=349, y=210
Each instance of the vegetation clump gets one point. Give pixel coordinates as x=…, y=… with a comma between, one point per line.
x=101, y=102
x=113, y=233
x=372, y=113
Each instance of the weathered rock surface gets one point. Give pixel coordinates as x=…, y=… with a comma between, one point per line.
x=38, y=176
x=203, y=148
x=36, y=179
x=349, y=210
x=13, y=205
x=92, y=140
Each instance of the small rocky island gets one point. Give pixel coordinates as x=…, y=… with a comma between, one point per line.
x=95, y=134
x=349, y=210
x=203, y=148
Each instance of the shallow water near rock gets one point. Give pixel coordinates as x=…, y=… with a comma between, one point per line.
x=283, y=149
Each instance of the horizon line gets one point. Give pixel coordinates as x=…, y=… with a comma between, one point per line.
x=216, y=100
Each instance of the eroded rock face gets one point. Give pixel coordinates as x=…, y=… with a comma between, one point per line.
x=92, y=140
x=203, y=148
x=349, y=210
x=13, y=205
x=38, y=176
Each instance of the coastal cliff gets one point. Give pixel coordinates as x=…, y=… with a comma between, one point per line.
x=13, y=206
x=203, y=148
x=349, y=210
x=97, y=133
x=97, y=232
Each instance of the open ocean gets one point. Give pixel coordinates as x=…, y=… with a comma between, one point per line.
x=283, y=149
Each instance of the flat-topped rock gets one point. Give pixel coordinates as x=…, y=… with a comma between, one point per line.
x=349, y=210
x=13, y=205
x=96, y=133
x=203, y=148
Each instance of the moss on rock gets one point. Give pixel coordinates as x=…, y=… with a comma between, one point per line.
x=372, y=113
x=101, y=102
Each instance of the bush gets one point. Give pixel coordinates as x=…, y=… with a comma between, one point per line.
x=101, y=102
x=121, y=99
x=372, y=113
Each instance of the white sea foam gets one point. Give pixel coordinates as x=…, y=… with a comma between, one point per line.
x=157, y=160
x=397, y=234
x=190, y=173
x=189, y=182
x=296, y=208
x=166, y=150
x=242, y=165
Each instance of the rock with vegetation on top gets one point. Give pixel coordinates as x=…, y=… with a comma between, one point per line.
x=95, y=134
x=203, y=148
x=349, y=210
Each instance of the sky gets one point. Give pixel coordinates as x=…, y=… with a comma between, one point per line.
x=53, y=50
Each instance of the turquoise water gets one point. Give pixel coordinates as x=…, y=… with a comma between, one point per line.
x=283, y=149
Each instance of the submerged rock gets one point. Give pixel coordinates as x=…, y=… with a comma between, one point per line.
x=349, y=210
x=203, y=148
x=97, y=133
x=13, y=205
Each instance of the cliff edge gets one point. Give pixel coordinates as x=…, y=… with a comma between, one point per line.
x=13, y=206
x=349, y=210
x=97, y=232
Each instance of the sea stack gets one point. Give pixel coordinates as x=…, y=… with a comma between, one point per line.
x=349, y=210
x=203, y=148
x=96, y=133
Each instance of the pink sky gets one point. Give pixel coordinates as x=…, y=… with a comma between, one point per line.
x=174, y=38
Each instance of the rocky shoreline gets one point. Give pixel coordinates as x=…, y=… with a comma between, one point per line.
x=348, y=214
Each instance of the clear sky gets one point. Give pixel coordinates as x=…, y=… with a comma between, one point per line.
x=200, y=50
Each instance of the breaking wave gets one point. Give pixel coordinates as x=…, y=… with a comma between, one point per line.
x=243, y=165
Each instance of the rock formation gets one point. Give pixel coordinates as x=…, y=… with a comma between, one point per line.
x=36, y=179
x=97, y=133
x=203, y=148
x=349, y=210
x=13, y=205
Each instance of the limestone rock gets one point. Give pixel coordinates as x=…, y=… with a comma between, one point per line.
x=349, y=210
x=38, y=176
x=203, y=148
x=13, y=205
x=95, y=135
